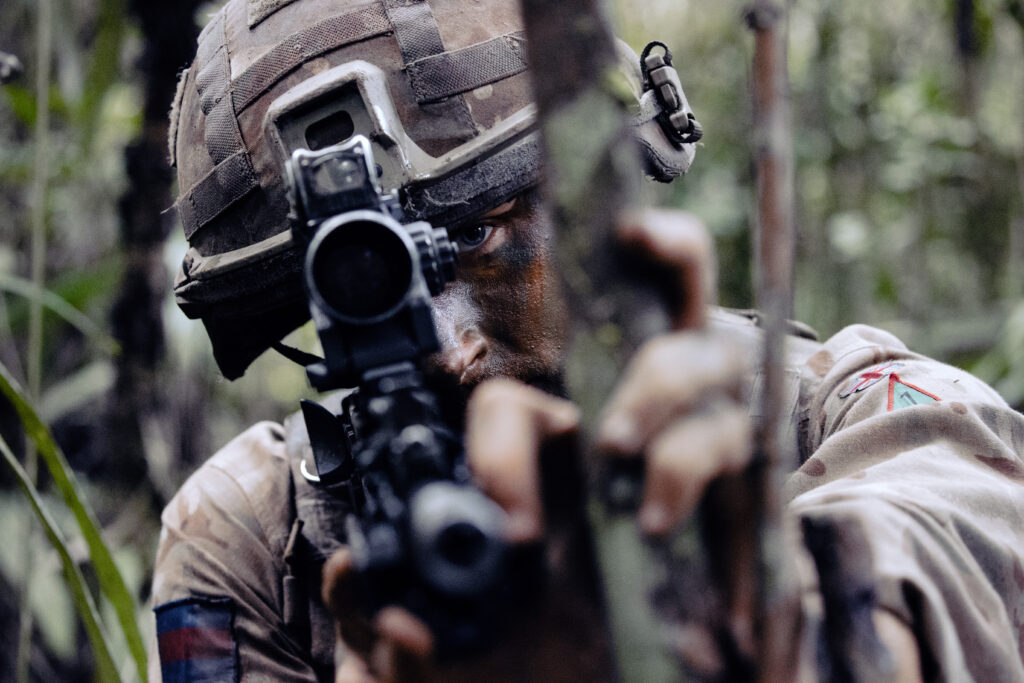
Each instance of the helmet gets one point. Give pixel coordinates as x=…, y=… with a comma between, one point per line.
x=439, y=88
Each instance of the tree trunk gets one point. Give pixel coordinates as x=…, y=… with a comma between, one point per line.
x=169, y=32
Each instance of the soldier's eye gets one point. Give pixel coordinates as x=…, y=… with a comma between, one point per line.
x=473, y=236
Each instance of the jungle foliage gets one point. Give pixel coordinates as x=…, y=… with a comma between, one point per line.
x=908, y=127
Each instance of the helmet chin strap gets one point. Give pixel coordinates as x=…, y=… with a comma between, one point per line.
x=296, y=355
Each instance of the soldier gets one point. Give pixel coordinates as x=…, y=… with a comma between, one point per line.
x=924, y=457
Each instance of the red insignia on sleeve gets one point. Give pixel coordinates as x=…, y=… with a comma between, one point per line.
x=903, y=394
x=866, y=379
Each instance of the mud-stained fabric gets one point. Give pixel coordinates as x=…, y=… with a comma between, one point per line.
x=296, y=50
x=419, y=37
x=490, y=183
x=225, y=535
x=452, y=73
x=258, y=10
x=936, y=485
x=226, y=183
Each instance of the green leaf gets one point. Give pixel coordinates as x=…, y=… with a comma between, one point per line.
x=111, y=583
x=82, y=287
x=105, y=67
x=69, y=313
x=105, y=668
x=22, y=103
x=79, y=389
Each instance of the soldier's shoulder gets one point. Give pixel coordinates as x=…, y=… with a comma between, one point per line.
x=259, y=450
x=750, y=318
x=744, y=326
x=247, y=482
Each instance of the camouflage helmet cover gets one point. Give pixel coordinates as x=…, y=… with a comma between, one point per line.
x=439, y=88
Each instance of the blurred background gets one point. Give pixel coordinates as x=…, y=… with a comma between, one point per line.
x=908, y=128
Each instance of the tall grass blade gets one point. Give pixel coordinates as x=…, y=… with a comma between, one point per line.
x=71, y=315
x=105, y=668
x=111, y=583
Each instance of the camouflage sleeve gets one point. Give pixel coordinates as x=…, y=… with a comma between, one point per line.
x=217, y=586
x=927, y=459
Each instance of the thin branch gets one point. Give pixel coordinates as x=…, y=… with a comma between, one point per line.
x=40, y=183
x=774, y=617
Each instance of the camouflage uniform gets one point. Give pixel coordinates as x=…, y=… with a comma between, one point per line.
x=924, y=456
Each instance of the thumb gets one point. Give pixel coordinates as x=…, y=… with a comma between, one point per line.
x=679, y=241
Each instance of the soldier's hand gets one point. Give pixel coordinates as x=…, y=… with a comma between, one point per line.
x=389, y=647
x=679, y=404
x=561, y=638
x=680, y=407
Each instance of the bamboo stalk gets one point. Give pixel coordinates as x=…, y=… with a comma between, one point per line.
x=40, y=181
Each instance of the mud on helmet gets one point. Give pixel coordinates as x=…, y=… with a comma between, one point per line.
x=439, y=88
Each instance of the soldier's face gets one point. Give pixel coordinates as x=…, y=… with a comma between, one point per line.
x=504, y=315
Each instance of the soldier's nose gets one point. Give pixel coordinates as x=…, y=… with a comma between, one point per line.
x=461, y=358
x=463, y=344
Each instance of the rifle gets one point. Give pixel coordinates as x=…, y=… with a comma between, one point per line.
x=421, y=535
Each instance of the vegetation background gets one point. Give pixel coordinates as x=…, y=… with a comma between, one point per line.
x=908, y=123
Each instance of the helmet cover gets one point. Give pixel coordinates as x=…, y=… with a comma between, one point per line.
x=440, y=88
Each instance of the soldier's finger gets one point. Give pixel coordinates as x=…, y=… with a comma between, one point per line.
x=685, y=458
x=506, y=423
x=405, y=647
x=697, y=646
x=342, y=598
x=681, y=242
x=408, y=633
x=353, y=670
x=669, y=377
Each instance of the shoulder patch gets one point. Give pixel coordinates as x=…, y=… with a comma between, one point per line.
x=903, y=394
x=196, y=640
x=866, y=379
